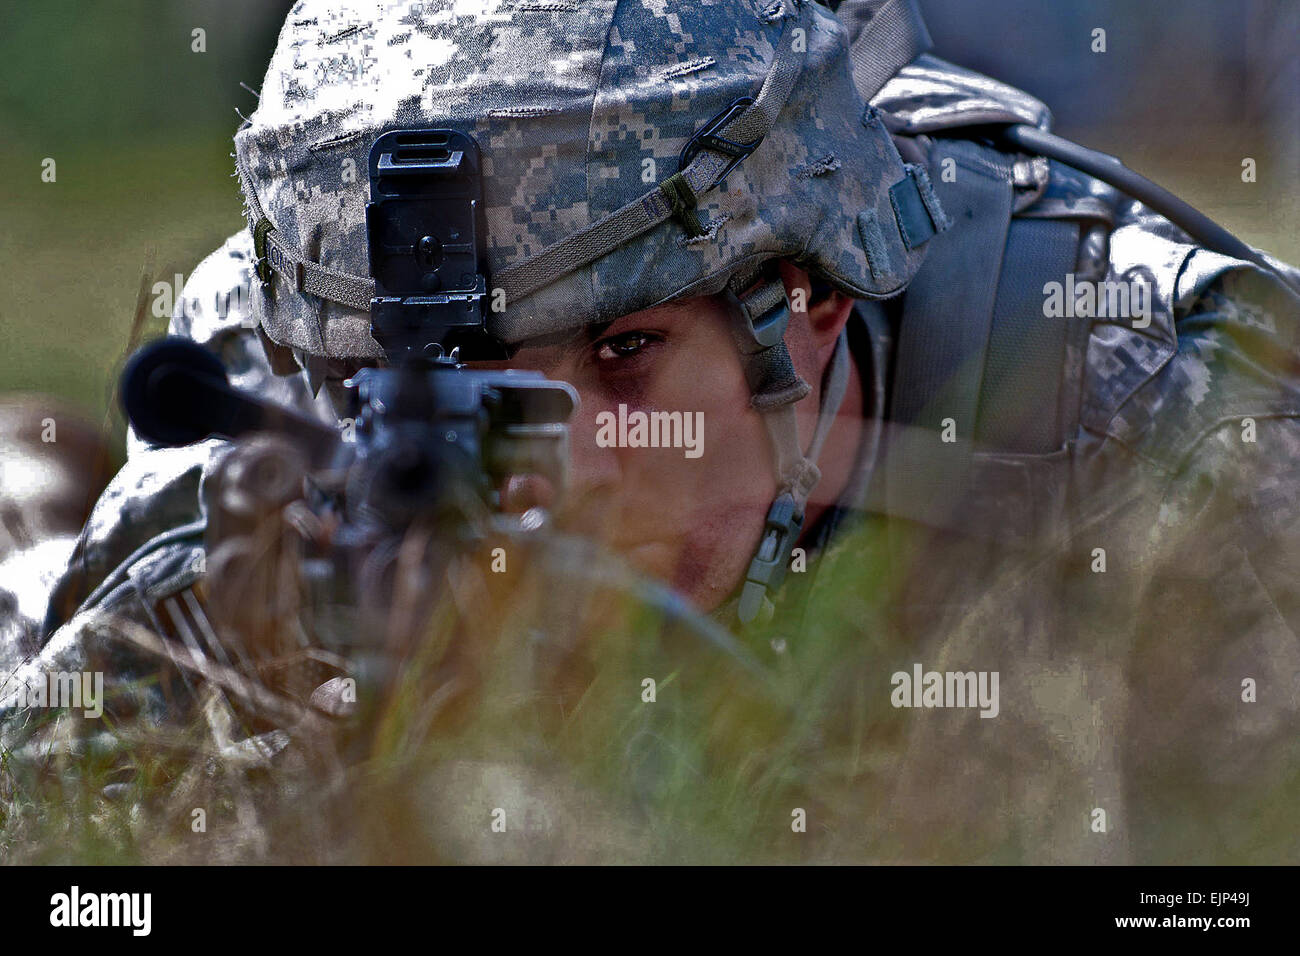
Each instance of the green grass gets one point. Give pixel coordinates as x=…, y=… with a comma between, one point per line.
x=517, y=701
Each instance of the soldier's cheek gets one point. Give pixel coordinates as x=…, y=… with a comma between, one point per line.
x=656, y=559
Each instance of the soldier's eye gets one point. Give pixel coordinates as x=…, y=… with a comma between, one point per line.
x=624, y=346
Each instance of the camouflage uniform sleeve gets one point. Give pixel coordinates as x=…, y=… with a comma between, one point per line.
x=1212, y=753
x=142, y=546
x=158, y=491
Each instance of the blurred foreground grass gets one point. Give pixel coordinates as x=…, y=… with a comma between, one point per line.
x=510, y=705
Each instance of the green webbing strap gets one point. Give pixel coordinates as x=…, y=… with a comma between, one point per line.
x=302, y=275
x=797, y=476
x=797, y=471
x=772, y=378
x=681, y=199
x=760, y=315
x=260, y=231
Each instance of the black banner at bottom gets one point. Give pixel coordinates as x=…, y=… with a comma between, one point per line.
x=234, y=905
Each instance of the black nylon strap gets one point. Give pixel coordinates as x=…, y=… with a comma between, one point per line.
x=772, y=378
x=944, y=335
x=1019, y=404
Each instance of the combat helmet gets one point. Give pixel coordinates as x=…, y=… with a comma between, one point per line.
x=633, y=152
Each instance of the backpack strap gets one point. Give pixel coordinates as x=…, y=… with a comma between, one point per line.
x=887, y=35
x=944, y=333
x=978, y=418
x=1022, y=401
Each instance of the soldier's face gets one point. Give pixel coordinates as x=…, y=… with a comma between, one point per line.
x=691, y=513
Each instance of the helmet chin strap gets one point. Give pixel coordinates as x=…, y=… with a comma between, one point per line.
x=760, y=316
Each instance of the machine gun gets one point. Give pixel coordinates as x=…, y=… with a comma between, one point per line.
x=434, y=444
x=345, y=541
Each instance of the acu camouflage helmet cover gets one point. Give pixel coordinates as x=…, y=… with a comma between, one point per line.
x=579, y=107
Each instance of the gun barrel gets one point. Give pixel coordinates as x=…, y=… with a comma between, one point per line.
x=175, y=392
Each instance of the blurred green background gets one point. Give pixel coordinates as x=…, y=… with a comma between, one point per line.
x=139, y=126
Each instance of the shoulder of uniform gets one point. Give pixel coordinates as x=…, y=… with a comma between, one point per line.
x=933, y=96
x=155, y=496
x=1216, y=359
x=217, y=296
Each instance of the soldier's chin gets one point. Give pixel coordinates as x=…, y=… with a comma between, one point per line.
x=665, y=563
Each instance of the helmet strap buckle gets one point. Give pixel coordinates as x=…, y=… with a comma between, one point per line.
x=767, y=569
x=709, y=137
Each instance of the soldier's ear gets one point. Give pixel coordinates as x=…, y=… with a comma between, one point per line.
x=827, y=309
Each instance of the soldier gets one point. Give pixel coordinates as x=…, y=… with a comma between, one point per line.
x=965, y=410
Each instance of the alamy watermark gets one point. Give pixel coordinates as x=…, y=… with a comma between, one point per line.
x=639, y=429
x=922, y=688
x=76, y=908
x=1107, y=299
x=64, y=690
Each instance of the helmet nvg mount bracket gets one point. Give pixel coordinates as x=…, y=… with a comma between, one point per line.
x=426, y=247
